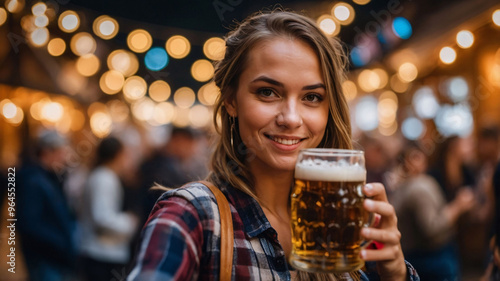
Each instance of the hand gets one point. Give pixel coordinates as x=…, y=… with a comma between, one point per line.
x=465, y=199
x=390, y=260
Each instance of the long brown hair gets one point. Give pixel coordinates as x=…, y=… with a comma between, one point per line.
x=228, y=160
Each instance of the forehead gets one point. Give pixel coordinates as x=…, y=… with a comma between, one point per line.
x=281, y=51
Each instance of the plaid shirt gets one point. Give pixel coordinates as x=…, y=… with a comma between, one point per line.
x=181, y=240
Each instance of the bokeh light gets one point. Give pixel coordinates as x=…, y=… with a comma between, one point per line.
x=397, y=85
x=39, y=9
x=156, y=59
x=159, y=91
x=135, y=88
x=88, y=65
x=41, y=21
x=343, y=12
x=214, y=48
x=412, y=128
x=408, y=72
x=52, y=111
x=465, y=39
x=181, y=118
x=69, y=21
x=82, y=43
x=208, y=93
x=105, y=27
x=383, y=77
x=402, y=28
x=366, y=113
x=184, y=97
x=447, y=55
x=118, y=110
x=199, y=116
x=328, y=25
x=3, y=16
x=178, y=47
x=368, y=80
x=14, y=6
x=425, y=103
x=101, y=124
x=139, y=40
x=9, y=109
x=457, y=89
x=202, y=70
x=143, y=109
x=164, y=113
x=361, y=2
x=123, y=61
x=454, y=120
x=350, y=89
x=496, y=17
x=111, y=82
x=39, y=36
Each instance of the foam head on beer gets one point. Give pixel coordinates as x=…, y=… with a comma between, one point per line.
x=323, y=170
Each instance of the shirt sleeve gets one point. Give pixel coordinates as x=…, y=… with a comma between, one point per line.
x=429, y=204
x=171, y=244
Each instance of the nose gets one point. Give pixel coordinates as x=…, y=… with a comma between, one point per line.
x=289, y=115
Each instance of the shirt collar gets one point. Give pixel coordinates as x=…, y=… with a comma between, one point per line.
x=252, y=216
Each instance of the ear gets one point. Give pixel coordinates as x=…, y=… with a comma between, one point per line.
x=231, y=107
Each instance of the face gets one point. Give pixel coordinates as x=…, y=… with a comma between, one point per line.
x=281, y=103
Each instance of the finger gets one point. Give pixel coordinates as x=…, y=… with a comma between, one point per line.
x=383, y=208
x=375, y=191
x=380, y=235
x=387, y=253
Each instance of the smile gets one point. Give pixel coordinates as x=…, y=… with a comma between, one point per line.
x=283, y=140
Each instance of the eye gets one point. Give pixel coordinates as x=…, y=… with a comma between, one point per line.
x=313, y=97
x=266, y=92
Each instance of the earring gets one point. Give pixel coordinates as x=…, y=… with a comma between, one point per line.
x=232, y=121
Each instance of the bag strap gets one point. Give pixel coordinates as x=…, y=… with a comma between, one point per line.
x=226, y=232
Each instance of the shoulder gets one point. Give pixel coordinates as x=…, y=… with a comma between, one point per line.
x=193, y=197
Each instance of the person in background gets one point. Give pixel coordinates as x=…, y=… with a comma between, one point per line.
x=170, y=166
x=106, y=229
x=46, y=225
x=426, y=220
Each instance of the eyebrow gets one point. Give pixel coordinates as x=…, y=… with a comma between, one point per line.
x=279, y=84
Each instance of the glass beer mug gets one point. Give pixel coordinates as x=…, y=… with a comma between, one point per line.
x=327, y=210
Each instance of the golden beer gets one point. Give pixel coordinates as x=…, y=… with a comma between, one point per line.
x=327, y=217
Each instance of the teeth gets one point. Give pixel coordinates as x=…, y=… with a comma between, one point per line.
x=285, y=141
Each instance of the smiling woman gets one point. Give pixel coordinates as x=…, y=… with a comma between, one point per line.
x=280, y=83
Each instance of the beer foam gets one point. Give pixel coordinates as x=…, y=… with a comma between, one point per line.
x=318, y=170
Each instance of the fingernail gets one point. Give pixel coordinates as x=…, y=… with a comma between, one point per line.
x=363, y=254
x=365, y=231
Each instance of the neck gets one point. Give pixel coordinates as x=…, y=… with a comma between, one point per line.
x=273, y=189
x=114, y=166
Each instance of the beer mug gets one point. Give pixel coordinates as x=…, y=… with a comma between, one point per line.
x=327, y=210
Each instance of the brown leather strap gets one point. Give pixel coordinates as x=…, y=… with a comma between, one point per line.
x=226, y=233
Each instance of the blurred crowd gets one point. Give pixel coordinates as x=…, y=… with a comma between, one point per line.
x=83, y=223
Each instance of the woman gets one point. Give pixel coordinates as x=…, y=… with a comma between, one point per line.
x=427, y=222
x=280, y=83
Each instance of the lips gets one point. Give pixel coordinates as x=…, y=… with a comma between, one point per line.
x=285, y=140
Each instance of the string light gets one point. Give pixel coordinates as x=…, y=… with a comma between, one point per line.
x=105, y=27
x=69, y=21
x=343, y=12
x=465, y=39
x=202, y=70
x=56, y=47
x=178, y=46
x=496, y=17
x=3, y=16
x=139, y=41
x=408, y=72
x=328, y=25
x=214, y=48
x=447, y=55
